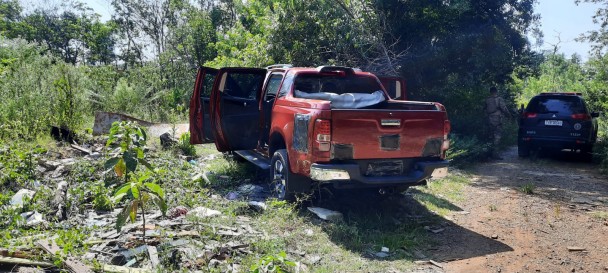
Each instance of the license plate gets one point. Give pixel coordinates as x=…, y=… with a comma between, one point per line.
x=553, y=122
x=384, y=168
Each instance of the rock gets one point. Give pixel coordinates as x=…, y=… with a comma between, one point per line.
x=67, y=161
x=381, y=254
x=59, y=200
x=58, y=171
x=326, y=214
x=202, y=212
x=177, y=212
x=166, y=140
x=95, y=155
x=48, y=165
x=494, y=236
x=259, y=206
x=384, y=249
x=308, y=232
x=313, y=259
x=32, y=218
x=232, y=195
x=19, y=198
x=582, y=200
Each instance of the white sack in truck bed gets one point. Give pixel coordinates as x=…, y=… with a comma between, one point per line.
x=346, y=100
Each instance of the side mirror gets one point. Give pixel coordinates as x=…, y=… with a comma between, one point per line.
x=595, y=114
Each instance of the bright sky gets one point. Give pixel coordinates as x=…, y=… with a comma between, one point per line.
x=564, y=19
x=559, y=18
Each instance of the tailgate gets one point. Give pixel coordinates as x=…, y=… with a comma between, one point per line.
x=377, y=134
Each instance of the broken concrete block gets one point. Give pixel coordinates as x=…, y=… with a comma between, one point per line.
x=19, y=198
x=202, y=212
x=326, y=214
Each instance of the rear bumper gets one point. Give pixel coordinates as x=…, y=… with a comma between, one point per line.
x=555, y=143
x=349, y=175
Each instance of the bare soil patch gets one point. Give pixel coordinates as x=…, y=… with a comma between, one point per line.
x=560, y=227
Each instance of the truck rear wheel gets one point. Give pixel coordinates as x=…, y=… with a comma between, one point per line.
x=279, y=175
x=285, y=184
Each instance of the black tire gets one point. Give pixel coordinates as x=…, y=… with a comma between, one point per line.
x=285, y=185
x=587, y=153
x=523, y=150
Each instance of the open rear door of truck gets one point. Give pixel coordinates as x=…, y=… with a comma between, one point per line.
x=200, y=119
x=235, y=109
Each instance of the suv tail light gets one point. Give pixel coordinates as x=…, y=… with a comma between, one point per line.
x=322, y=135
x=529, y=115
x=581, y=116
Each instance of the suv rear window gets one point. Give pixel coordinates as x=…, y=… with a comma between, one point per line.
x=562, y=105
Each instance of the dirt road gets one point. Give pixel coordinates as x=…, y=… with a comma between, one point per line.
x=561, y=227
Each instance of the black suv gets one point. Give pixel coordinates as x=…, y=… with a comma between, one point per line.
x=557, y=121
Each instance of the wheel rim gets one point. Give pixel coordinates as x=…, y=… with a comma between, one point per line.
x=279, y=179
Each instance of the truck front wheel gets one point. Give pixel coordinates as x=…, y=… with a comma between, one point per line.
x=279, y=175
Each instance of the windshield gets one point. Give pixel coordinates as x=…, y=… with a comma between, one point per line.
x=562, y=105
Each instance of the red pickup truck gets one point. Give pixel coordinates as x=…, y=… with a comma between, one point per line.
x=331, y=125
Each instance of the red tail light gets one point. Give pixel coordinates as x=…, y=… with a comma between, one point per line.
x=581, y=116
x=447, y=127
x=323, y=136
x=529, y=115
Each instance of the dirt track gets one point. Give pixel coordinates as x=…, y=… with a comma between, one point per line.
x=533, y=232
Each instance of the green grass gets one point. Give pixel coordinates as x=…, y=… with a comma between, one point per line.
x=601, y=215
x=439, y=195
x=528, y=188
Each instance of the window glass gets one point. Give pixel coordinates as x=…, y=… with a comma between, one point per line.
x=272, y=88
x=336, y=84
x=208, y=83
x=286, y=85
x=243, y=85
x=562, y=105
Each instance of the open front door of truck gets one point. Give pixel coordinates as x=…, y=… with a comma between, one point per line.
x=200, y=118
x=395, y=87
x=235, y=108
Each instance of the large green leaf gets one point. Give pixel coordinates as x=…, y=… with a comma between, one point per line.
x=160, y=203
x=121, y=218
x=156, y=189
x=133, y=210
x=110, y=163
x=135, y=190
x=130, y=161
x=145, y=163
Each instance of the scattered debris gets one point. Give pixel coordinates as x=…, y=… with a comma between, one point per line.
x=326, y=214
x=256, y=205
x=575, y=248
x=436, y=264
x=82, y=149
x=582, y=200
x=381, y=254
x=71, y=263
x=494, y=236
x=33, y=218
x=177, y=212
x=21, y=196
x=434, y=229
x=384, y=249
x=202, y=212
